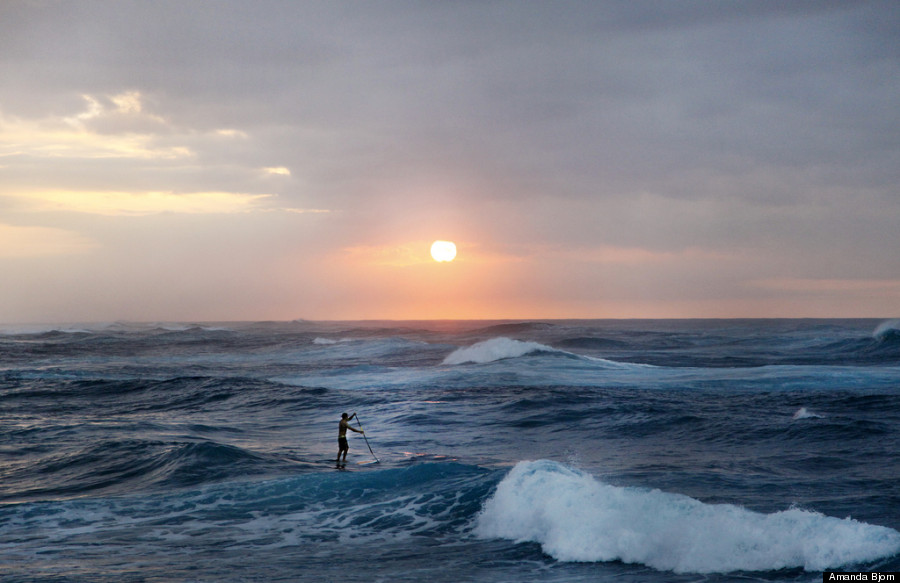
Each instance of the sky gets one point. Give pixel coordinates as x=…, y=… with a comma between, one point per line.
x=278, y=160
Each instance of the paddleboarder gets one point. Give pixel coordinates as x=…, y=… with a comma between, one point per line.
x=343, y=446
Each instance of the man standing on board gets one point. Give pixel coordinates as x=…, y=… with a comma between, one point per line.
x=343, y=447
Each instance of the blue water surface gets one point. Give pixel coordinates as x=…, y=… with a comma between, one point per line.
x=629, y=451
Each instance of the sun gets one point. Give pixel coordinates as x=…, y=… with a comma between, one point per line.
x=443, y=251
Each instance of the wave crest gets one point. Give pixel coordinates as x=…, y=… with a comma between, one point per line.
x=888, y=330
x=804, y=413
x=577, y=518
x=495, y=349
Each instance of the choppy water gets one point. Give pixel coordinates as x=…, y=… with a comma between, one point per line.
x=512, y=451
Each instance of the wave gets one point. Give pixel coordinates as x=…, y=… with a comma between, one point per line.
x=804, y=413
x=497, y=349
x=121, y=466
x=575, y=517
x=44, y=330
x=515, y=328
x=881, y=347
x=889, y=330
x=108, y=328
x=427, y=499
x=592, y=343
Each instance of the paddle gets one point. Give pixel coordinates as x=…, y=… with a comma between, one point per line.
x=359, y=424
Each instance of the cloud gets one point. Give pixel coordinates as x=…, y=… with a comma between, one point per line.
x=140, y=203
x=124, y=107
x=612, y=255
x=231, y=133
x=32, y=242
x=830, y=286
x=665, y=152
x=302, y=211
x=277, y=171
x=399, y=255
x=114, y=138
x=115, y=126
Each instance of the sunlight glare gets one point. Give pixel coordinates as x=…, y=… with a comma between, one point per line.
x=443, y=251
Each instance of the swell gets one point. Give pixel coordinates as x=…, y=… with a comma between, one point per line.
x=122, y=466
x=429, y=499
x=732, y=344
x=515, y=328
x=129, y=397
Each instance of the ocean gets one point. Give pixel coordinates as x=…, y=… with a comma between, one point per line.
x=553, y=451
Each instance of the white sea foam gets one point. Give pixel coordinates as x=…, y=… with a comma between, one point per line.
x=804, y=413
x=575, y=517
x=319, y=340
x=495, y=349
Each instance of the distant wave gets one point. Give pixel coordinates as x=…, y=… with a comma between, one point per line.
x=503, y=348
x=328, y=341
x=889, y=330
x=804, y=413
x=496, y=349
x=592, y=343
x=575, y=517
x=43, y=329
x=515, y=328
x=106, y=328
x=882, y=347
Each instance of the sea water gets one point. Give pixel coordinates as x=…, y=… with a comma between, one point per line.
x=562, y=451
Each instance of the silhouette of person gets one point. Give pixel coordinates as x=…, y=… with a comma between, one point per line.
x=343, y=446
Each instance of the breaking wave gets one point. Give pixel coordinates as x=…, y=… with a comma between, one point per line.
x=575, y=517
x=804, y=413
x=889, y=330
x=496, y=349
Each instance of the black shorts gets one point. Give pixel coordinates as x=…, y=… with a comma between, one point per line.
x=342, y=443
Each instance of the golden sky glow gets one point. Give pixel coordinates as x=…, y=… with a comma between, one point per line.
x=140, y=203
x=79, y=135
